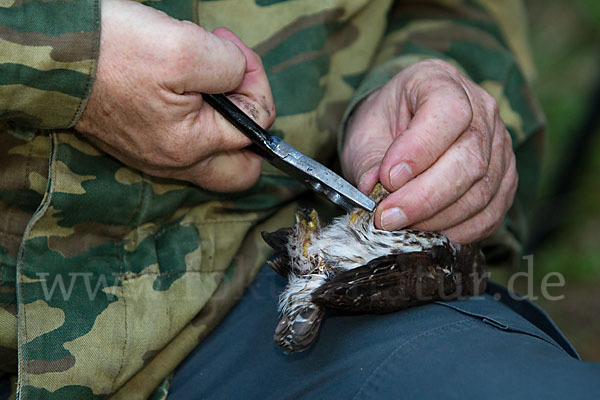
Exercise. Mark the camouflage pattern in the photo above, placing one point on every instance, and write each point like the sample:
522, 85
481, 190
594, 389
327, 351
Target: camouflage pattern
49, 52
110, 277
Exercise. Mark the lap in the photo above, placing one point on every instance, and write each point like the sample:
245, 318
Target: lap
462, 349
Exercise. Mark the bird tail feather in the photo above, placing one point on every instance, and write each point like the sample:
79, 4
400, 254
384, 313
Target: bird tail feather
298, 328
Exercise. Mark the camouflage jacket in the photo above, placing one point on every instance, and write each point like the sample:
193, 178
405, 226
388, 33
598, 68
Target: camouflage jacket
110, 277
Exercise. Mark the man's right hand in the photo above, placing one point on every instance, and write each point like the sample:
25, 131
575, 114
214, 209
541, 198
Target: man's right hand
145, 107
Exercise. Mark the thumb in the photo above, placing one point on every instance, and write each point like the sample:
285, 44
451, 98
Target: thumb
368, 175
211, 63
254, 86
361, 161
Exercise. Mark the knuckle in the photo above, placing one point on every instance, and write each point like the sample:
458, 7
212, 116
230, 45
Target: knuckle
510, 179
427, 203
423, 148
488, 224
512, 169
514, 184
515, 177
240, 61
190, 26
219, 141
436, 63
487, 231
491, 104
189, 32
481, 196
498, 209
509, 142
235, 59
228, 63
195, 49
183, 40
495, 217
455, 99
475, 165
433, 73
464, 111
480, 134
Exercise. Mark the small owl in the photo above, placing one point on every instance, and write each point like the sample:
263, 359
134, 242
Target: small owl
352, 266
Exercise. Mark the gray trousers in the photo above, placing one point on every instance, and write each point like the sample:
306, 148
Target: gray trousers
467, 349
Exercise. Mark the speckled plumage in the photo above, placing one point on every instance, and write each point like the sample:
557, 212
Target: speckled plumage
351, 265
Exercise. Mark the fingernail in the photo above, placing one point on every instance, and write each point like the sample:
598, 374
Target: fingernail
393, 218
399, 175
365, 180
362, 181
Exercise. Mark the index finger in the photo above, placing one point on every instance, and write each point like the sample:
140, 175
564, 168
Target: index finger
465, 163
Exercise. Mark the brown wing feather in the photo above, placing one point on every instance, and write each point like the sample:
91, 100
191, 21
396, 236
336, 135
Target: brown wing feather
299, 329
280, 264
396, 282
278, 240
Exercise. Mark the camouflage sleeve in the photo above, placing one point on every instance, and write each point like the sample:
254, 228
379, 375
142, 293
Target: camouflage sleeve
48, 54
487, 41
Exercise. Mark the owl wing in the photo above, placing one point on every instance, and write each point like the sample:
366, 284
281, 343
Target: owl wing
395, 282
278, 241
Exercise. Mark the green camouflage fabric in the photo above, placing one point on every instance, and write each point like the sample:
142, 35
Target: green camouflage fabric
110, 277
48, 59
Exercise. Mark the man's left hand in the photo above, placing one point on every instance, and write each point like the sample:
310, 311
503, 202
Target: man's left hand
435, 140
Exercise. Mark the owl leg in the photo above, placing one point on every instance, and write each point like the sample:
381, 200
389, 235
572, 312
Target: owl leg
301, 318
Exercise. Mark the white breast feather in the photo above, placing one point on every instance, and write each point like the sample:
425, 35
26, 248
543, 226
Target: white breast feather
348, 242
345, 245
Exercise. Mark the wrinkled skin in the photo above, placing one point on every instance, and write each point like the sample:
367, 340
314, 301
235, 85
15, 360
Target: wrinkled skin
431, 136
435, 140
145, 107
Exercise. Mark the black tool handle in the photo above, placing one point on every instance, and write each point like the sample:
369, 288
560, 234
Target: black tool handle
261, 138
289, 160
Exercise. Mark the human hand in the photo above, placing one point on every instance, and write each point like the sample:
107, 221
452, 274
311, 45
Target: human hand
435, 140
145, 107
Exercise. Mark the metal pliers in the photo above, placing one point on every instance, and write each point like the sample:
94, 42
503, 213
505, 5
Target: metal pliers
289, 160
